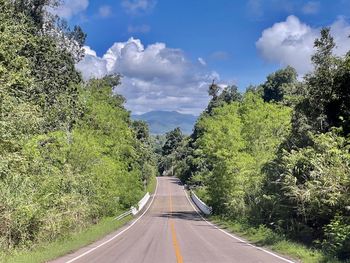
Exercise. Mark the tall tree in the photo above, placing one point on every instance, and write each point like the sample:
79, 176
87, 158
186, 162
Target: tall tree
278, 84
173, 140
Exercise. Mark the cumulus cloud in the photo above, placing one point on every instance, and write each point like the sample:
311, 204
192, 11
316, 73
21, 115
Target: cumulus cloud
138, 6
92, 66
89, 52
154, 77
340, 30
291, 42
69, 8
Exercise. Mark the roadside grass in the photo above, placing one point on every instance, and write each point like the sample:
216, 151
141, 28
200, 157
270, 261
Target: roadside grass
151, 187
63, 246
60, 247
265, 237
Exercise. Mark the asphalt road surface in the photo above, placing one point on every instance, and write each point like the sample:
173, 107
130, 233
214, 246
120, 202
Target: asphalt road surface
170, 230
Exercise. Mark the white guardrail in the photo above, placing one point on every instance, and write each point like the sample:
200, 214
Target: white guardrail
200, 204
140, 204
134, 210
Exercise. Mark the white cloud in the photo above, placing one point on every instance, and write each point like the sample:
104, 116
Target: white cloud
288, 43
69, 8
105, 11
154, 77
311, 7
138, 6
340, 30
202, 61
291, 42
92, 66
89, 51
139, 29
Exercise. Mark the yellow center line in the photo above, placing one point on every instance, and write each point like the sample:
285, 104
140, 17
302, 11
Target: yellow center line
173, 232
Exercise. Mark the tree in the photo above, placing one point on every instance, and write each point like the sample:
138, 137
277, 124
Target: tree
36, 9
218, 148
305, 184
141, 130
68, 155
326, 101
173, 140
339, 109
306, 188
228, 95
278, 84
321, 82
213, 90
278, 155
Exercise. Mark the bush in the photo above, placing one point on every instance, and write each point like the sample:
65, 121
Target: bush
337, 237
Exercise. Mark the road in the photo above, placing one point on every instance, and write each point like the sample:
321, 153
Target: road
171, 231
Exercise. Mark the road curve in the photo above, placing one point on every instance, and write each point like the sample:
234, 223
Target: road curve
171, 231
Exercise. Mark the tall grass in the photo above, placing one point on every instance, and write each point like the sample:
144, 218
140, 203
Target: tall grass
69, 243
65, 245
263, 236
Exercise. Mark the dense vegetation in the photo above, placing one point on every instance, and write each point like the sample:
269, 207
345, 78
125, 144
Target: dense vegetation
279, 154
69, 153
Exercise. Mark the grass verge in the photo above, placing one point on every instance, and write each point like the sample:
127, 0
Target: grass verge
44, 252
63, 246
151, 187
263, 236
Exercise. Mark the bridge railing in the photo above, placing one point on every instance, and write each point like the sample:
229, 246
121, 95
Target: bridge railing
200, 204
135, 210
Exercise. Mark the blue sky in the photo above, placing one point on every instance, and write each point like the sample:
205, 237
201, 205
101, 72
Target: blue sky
235, 42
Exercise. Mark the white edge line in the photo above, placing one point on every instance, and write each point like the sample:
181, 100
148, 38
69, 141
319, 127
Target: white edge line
117, 235
234, 237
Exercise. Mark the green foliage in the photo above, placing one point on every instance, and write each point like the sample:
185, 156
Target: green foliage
77, 178
228, 94
306, 188
173, 140
279, 155
141, 129
170, 151
326, 103
213, 90
306, 191
237, 139
219, 146
35, 9
264, 236
337, 237
60, 247
279, 84
68, 153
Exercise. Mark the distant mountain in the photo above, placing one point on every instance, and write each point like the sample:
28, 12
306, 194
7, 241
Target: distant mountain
161, 122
